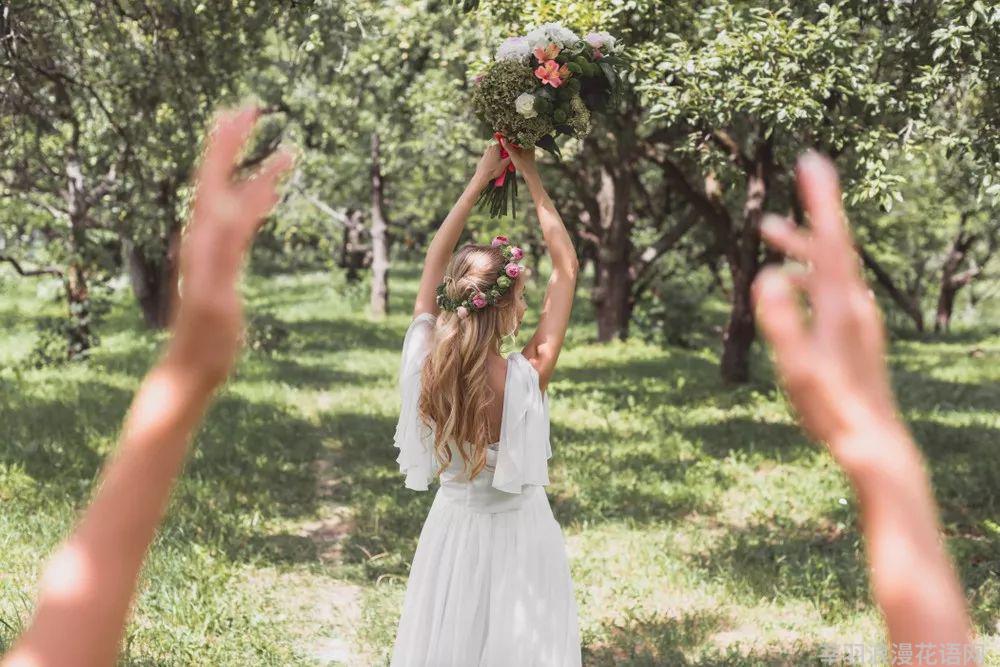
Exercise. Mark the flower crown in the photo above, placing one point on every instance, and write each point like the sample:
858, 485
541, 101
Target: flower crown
479, 300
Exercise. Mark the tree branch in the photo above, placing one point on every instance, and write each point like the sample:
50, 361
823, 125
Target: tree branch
41, 271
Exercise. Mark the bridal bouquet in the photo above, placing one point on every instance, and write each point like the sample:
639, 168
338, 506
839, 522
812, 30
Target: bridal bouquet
542, 85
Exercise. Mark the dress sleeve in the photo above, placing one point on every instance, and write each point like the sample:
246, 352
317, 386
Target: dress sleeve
414, 439
522, 459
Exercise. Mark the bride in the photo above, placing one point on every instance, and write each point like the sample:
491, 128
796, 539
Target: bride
490, 583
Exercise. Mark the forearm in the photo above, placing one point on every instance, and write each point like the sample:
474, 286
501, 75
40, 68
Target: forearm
87, 587
913, 580
554, 231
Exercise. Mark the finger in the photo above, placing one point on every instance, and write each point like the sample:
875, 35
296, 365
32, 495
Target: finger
781, 321
260, 193
819, 191
798, 275
782, 234
503, 165
229, 134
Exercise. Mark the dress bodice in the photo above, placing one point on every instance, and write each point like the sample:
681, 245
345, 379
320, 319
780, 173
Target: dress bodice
479, 494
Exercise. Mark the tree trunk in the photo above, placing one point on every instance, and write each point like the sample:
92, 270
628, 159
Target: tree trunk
951, 280
613, 278
744, 262
354, 253
154, 279
79, 337
945, 306
380, 236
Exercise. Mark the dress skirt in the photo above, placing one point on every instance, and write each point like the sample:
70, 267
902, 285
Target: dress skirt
489, 585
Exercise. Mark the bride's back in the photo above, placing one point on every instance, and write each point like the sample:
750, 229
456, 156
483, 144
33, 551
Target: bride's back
463, 378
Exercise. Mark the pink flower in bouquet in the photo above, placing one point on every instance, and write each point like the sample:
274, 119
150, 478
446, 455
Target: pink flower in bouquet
513, 270
516, 253
597, 54
479, 300
462, 312
549, 73
548, 53
499, 241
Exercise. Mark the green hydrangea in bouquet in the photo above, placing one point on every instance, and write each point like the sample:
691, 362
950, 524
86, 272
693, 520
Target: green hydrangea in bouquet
540, 86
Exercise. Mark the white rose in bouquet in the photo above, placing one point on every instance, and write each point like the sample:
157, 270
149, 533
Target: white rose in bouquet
525, 105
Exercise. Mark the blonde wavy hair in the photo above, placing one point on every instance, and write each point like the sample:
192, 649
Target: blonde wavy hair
454, 392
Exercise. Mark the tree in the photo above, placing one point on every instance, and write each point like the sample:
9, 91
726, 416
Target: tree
377, 109
103, 109
750, 86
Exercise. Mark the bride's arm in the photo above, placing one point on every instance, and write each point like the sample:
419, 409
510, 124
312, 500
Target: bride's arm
90, 581
446, 238
543, 348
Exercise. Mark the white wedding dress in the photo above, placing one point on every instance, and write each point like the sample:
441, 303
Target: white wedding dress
490, 584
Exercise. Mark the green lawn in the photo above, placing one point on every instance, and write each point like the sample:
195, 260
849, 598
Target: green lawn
703, 528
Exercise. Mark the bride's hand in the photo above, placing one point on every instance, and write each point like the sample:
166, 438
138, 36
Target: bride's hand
523, 158
491, 165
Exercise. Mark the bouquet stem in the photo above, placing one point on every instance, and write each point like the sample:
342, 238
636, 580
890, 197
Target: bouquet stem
502, 189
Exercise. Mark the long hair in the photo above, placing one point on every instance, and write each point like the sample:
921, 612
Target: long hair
454, 392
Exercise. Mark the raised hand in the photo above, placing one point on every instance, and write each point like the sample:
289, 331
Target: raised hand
491, 164
224, 220
833, 365
523, 158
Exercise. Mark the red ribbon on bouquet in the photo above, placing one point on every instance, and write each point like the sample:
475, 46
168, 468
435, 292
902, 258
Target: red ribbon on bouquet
504, 154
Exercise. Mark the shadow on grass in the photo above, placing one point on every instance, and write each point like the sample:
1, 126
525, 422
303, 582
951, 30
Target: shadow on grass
251, 462
61, 441
920, 391
822, 562
597, 479
288, 371
387, 516
337, 335
658, 640
778, 442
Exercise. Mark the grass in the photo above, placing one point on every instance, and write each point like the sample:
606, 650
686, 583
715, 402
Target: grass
703, 529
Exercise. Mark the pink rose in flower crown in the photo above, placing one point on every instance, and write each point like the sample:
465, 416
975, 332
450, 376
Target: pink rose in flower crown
499, 241
516, 253
513, 270
479, 300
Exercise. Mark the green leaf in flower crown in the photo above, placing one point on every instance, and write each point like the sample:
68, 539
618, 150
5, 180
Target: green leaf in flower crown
548, 143
559, 115
575, 68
